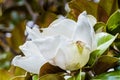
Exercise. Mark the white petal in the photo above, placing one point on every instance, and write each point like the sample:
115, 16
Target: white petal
31, 24
84, 31
92, 20
31, 64
69, 58
60, 18
63, 27
33, 59
30, 49
48, 46
32, 33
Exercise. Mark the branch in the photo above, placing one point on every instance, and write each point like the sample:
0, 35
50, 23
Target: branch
33, 14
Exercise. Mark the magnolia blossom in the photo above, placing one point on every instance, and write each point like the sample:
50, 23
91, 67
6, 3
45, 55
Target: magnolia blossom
65, 43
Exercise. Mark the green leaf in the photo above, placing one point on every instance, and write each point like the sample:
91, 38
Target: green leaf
35, 77
113, 23
106, 8
49, 69
117, 45
118, 66
5, 75
78, 6
104, 63
109, 5
93, 57
79, 76
104, 40
101, 10
52, 77
76, 77
100, 27
113, 75
18, 74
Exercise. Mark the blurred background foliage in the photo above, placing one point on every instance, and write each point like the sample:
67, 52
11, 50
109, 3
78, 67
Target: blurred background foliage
15, 13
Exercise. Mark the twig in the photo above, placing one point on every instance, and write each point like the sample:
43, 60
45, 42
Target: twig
2, 38
33, 14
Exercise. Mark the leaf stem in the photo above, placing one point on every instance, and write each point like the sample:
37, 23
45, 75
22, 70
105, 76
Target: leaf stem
80, 74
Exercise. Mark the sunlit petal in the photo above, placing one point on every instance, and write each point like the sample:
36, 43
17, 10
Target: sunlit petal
33, 59
84, 31
32, 33
69, 57
63, 27
48, 46
31, 64
30, 49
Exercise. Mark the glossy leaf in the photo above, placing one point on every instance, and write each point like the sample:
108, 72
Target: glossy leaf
35, 77
117, 46
106, 8
45, 19
49, 69
101, 10
118, 66
113, 75
113, 23
79, 76
104, 63
76, 77
4, 75
52, 77
78, 6
104, 40
100, 27
18, 74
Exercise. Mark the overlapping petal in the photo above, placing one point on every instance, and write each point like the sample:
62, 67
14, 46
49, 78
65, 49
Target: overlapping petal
58, 45
32, 55
84, 31
69, 57
63, 27
32, 33
48, 46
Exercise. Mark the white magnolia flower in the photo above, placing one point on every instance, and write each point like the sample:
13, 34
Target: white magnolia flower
65, 43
